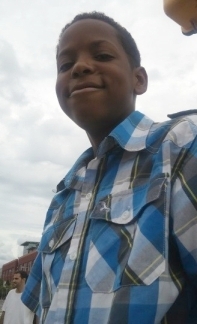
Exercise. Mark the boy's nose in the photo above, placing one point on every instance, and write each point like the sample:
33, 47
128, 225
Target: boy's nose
81, 68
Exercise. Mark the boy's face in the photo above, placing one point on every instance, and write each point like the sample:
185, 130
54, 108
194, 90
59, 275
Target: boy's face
95, 82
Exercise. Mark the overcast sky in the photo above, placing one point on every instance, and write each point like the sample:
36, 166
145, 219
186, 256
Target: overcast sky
38, 143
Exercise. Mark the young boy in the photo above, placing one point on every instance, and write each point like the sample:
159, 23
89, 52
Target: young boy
119, 242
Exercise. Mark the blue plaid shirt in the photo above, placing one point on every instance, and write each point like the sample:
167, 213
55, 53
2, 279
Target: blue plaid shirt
120, 237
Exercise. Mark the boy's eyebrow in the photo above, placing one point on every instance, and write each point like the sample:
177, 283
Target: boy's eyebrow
93, 45
99, 42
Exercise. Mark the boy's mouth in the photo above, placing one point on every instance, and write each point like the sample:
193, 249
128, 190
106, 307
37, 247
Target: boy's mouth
84, 87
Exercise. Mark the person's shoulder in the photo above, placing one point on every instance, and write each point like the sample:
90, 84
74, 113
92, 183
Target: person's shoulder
11, 292
184, 120
8, 297
183, 114
180, 129
183, 127
81, 161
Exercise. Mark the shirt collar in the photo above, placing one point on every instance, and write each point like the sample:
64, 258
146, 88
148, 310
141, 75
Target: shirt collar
81, 162
131, 135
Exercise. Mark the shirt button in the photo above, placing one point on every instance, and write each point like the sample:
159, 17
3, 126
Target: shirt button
125, 215
88, 196
51, 243
73, 256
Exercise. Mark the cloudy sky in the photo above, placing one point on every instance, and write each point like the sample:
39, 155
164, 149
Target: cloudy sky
38, 143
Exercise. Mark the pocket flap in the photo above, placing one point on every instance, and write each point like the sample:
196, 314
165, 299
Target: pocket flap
56, 235
123, 207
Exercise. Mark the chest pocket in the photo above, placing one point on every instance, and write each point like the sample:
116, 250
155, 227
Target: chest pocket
128, 238
54, 247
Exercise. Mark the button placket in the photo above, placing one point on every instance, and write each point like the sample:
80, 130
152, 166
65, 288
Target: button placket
51, 243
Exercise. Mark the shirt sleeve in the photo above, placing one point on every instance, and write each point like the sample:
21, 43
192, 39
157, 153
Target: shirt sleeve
5, 303
184, 210
31, 293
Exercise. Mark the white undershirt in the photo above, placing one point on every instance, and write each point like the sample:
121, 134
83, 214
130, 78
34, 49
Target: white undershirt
15, 311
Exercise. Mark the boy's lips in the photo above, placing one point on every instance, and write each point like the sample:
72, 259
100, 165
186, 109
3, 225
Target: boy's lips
84, 87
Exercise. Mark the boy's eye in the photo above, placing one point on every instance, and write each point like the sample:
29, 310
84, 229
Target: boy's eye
65, 67
104, 57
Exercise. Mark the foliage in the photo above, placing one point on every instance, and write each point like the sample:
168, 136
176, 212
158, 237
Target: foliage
4, 288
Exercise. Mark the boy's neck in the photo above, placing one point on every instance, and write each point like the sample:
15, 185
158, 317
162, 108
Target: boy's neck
96, 141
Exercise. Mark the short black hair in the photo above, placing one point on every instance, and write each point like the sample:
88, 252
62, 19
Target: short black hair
23, 274
125, 38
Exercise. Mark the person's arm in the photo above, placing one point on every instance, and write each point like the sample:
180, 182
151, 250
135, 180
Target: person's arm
2, 318
184, 13
184, 212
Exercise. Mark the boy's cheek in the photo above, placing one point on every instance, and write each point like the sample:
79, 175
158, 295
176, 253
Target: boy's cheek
59, 94
62, 80
59, 88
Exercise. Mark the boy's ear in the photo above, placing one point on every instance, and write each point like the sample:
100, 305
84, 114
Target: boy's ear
141, 80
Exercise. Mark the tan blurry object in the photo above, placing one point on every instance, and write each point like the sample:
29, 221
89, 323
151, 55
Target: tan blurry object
183, 12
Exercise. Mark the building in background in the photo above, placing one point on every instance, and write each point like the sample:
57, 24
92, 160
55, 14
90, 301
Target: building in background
24, 262
29, 247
